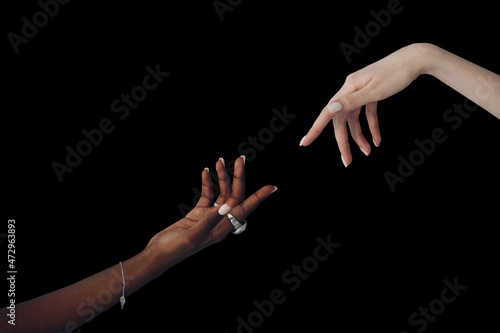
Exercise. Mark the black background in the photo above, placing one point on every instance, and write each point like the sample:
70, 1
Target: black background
225, 79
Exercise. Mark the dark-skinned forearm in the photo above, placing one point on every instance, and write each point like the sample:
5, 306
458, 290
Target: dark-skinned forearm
67, 308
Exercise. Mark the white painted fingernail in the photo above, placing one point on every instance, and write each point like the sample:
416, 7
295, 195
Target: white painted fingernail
334, 107
300, 144
224, 209
206, 169
275, 188
364, 151
244, 158
376, 145
222, 160
343, 161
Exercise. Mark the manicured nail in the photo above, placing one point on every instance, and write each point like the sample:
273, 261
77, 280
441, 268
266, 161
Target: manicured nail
244, 158
224, 209
275, 188
343, 161
222, 160
300, 144
206, 169
376, 145
364, 151
334, 107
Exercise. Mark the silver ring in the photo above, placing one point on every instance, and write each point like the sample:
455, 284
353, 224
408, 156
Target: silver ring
238, 227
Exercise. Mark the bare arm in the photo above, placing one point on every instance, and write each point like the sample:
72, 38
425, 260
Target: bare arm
392, 74
474, 82
66, 309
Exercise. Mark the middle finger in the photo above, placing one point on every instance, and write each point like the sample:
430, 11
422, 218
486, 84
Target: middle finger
224, 182
356, 132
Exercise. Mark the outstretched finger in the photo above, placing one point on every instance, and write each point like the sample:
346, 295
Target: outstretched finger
342, 137
224, 182
238, 189
356, 133
207, 193
371, 116
319, 125
325, 116
241, 211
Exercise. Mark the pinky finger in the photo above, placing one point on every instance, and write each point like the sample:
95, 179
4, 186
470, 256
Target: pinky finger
371, 116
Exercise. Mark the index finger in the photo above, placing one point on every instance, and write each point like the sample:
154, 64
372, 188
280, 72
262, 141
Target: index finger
319, 125
325, 116
244, 209
351, 97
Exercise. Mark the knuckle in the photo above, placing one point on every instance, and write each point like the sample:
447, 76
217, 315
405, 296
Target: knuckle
259, 199
238, 176
207, 196
223, 195
222, 177
351, 77
350, 101
235, 197
244, 208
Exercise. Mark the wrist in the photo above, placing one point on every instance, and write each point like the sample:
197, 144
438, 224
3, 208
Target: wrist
140, 269
153, 262
426, 57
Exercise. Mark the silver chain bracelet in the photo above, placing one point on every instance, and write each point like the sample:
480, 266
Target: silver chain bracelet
122, 298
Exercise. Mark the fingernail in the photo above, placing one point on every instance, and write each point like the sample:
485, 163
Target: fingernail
222, 160
275, 188
244, 158
343, 161
224, 209
206, 169
376, 145
300, 144
364, 151
334, 107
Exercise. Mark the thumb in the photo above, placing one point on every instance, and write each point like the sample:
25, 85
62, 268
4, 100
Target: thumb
349, 102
